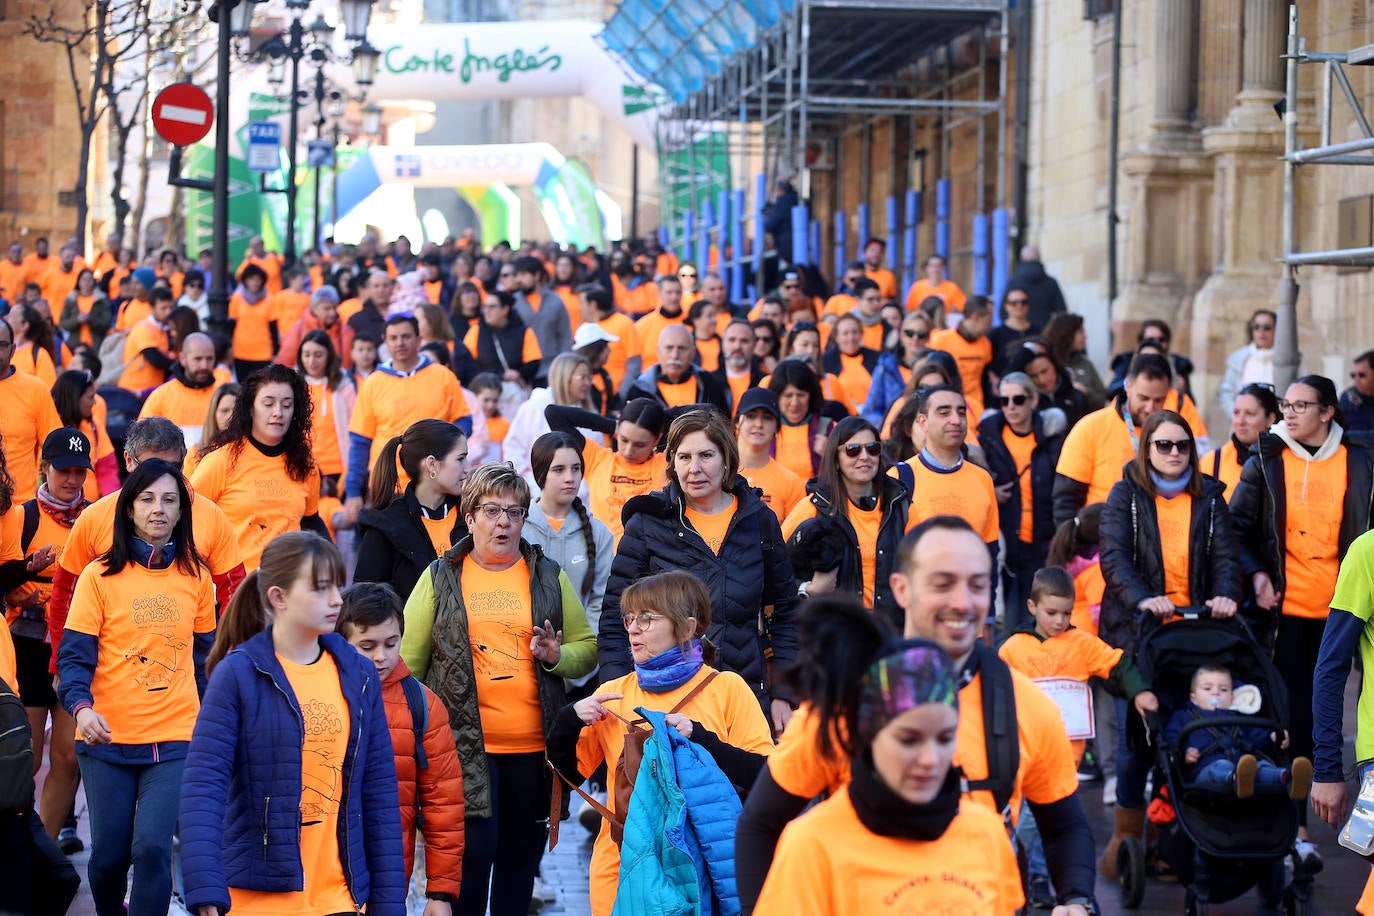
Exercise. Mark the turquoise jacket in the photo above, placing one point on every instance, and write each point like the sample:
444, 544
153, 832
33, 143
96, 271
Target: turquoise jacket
678, 855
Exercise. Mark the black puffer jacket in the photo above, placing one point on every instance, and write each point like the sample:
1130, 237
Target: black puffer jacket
896, 502
1259, 506
393, 545
1048, 430
1133, 565
750, 572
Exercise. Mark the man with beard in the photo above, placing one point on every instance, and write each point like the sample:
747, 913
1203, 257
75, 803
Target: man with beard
185, 397
738, 371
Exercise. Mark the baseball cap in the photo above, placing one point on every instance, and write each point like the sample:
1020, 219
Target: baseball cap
325, 293
67, 448
789, 275
756, 399
587, 334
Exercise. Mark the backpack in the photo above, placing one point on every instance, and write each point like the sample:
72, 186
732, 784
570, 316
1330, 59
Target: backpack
112, 364
32, 621
16, 753
622, 783
1001, 740
419, 716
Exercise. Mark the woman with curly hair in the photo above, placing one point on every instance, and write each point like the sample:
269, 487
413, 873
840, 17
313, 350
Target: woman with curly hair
259, 469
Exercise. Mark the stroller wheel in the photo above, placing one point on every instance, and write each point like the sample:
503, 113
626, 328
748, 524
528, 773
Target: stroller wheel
1294, 905
1130, 872
1193, 906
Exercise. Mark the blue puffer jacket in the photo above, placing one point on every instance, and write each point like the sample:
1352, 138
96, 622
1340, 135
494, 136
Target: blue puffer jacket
887, 386
678, 855
241, 791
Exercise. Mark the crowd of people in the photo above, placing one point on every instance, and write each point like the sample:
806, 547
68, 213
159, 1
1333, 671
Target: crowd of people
423, 541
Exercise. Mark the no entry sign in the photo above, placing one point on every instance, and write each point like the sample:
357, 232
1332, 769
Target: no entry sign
182, 114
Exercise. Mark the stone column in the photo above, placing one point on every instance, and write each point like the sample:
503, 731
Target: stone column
1175, 66
1262, 65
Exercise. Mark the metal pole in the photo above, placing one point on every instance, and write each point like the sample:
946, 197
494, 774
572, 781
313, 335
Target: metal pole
319, 135
296, 50
634, 191
1286, 330
334, 185
1113, 153
219, 291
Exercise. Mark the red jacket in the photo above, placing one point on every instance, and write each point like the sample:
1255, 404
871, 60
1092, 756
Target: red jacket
341, 334
438, 792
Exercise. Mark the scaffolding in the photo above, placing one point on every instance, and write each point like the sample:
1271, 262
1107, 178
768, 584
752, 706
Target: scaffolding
1333, 66
757, 91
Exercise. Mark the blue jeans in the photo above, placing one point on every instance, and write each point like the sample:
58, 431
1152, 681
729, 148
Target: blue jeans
1028, 836
133, 809
1132, 767
1220, 774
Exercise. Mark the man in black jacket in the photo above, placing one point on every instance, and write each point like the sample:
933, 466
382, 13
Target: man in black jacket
738, 371
1046, 299
675, 382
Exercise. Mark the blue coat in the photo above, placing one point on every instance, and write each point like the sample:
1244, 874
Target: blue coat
678, 855
1215, 742
887, 386
241, 791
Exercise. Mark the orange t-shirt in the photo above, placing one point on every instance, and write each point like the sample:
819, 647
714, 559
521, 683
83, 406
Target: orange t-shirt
1315, 499
1088, 587
1022, 448
794, 449
1227, 464
186, 407
708, 353
855, 378
26, 418
138, 373
328, 723
947, 292
57, 283
865, 524
680, 394
9, 664
94, 530
1047, 773
840, 304
252, 333
612, 482
886, 280
1072, 654
270, 264
1175, 522
39, 589
145, 621
500, 628
529, 347
257, 495
973, 357
131, 313
387, 403
725, 707
628, 345
324, 436
1095, 451
497, 427
440, 531
827, 861
84, 304
781, 489
738, 384
36, 361
712, 528
12, 278
288, 306
966, 492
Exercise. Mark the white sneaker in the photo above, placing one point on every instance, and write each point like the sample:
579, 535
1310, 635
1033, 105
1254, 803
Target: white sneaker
1308, 856
1109, 792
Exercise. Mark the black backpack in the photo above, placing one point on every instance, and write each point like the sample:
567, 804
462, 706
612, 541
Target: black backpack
16, 753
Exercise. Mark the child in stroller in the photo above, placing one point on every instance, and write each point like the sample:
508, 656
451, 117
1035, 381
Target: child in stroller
1231, 757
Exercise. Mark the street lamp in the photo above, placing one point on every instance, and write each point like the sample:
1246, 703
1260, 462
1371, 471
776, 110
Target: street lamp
356, 14
372, 119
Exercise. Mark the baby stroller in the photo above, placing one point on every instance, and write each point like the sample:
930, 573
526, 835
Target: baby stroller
1219, 846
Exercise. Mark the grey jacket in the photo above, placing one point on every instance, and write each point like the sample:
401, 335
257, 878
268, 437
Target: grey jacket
568, 548
550, 324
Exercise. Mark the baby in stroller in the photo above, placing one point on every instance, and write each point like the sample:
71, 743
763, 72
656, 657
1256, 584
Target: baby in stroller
1228, 757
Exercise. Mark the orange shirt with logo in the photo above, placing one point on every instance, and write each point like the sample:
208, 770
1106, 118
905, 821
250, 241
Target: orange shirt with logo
27, 415
257, 495
612, 482
1314, 507
500, 628
712, 528
328, 723
781, 490
967, 492
1073, 654
145, 622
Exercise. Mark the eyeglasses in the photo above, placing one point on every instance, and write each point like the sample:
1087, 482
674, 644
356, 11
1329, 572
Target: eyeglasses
688, 275
919, 335
1295, 406
645, 621
1017, 399
1173, 446
853, 449
492, 512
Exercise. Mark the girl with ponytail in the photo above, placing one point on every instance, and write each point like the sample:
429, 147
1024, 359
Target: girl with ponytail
400, 533
560, 524
291, 710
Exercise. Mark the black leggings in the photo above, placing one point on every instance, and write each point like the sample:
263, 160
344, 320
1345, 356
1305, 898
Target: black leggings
1295, 656
502, 852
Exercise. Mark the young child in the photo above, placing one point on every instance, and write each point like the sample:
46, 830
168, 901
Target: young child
427, 770
1054, 648
487, 388
1225, 756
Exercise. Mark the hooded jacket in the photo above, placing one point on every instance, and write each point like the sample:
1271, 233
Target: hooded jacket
709, 391
568, 548
750, 574
1046, 298
1259, 503
551, 326
1048, 429
1133, 562
393, 545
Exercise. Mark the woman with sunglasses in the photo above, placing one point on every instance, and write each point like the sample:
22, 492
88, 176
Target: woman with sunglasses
666, 617
1022, 445
493, 628
1167, 543
857, 507
1305, 494
1255, 410
766, 343
1015, 327
687, 275
893, 371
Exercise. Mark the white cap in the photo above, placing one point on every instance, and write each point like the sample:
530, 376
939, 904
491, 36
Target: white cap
589, 333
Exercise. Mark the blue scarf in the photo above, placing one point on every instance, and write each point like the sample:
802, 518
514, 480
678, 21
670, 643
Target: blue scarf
1170, 488
670, 670
145, 554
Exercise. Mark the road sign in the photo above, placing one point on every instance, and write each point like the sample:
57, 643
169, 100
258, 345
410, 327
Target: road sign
319, 154
264, 146
182, 114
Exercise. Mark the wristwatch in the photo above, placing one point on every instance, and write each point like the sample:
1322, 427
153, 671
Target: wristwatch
804, 590
1088, 903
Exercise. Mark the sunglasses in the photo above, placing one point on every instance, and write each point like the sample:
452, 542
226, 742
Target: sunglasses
1017, 399
1261, 327
687, 275
919, 335
854, 449
1173, 446
1018, 302
764, 338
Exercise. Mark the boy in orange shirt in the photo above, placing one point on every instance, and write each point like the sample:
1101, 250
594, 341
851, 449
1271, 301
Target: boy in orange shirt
428, 775
1054, 650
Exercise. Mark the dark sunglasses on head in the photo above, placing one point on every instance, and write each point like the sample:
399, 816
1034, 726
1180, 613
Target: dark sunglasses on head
1173, 446
1017, 399
919, 335
853, 449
